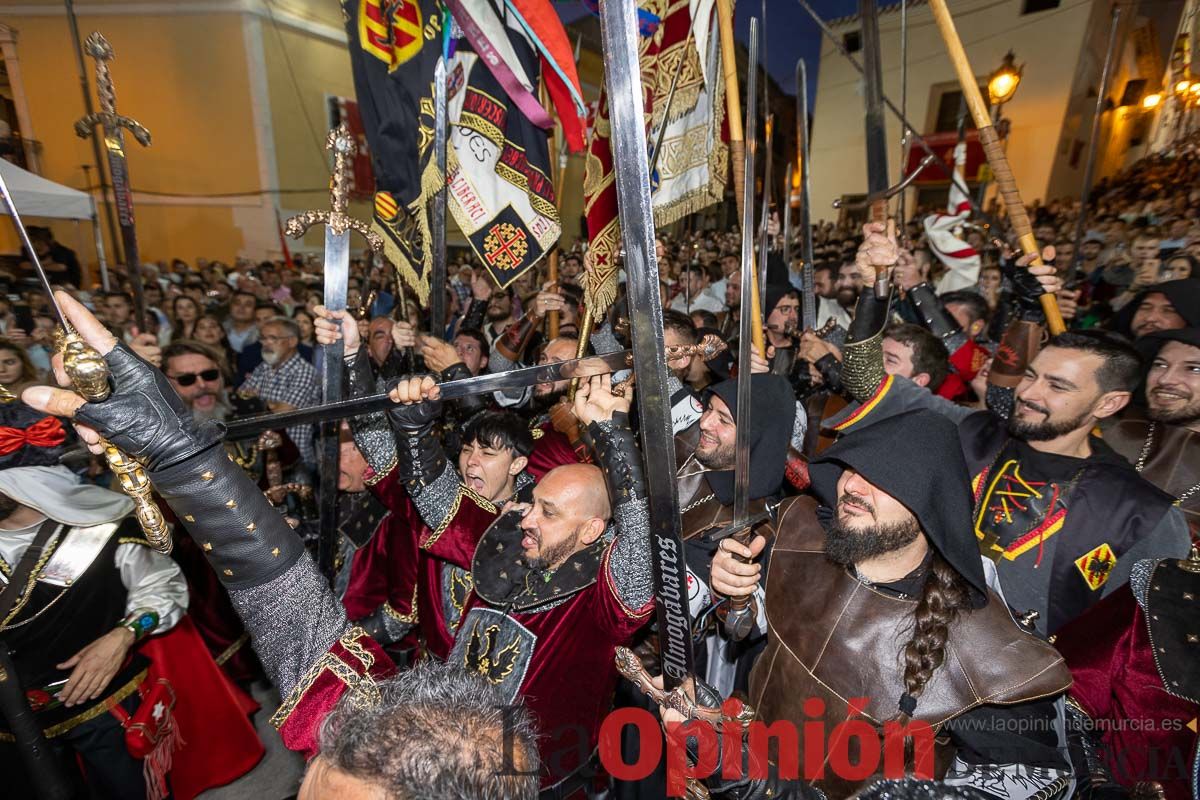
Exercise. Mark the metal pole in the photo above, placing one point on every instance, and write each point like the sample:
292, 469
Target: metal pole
1094, 144
89, 109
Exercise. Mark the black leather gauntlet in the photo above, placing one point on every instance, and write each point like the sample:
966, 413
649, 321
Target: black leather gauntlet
935, 317
144, 417
419, 453
1027, 291
619, 458
243, 536
862, 353
466, 405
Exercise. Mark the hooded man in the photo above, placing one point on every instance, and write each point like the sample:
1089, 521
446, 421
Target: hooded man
1164, 306
1163, 441
1063, 517
97, 591
876, 598
706, 454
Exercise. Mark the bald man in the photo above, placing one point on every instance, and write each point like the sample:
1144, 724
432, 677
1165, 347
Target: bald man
558, 582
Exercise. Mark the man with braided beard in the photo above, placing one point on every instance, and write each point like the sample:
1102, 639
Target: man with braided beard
878, 609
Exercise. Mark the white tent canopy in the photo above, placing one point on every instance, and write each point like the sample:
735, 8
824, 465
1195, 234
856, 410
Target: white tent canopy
37, 197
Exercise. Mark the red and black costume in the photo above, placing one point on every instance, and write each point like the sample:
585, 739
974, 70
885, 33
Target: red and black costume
520, 627
1062, 531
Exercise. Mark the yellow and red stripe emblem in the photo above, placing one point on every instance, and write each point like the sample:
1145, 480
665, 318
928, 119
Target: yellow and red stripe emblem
868, 405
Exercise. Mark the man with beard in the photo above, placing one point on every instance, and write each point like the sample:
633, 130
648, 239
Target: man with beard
499, 314
1063, 517
825, 285
1162, 307
285, 381
879, 551
576, 558
96, 592
706, 454
1163, 442
325, 669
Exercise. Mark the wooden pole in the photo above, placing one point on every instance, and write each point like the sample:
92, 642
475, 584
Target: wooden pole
742, 190
1006, 184
556, 176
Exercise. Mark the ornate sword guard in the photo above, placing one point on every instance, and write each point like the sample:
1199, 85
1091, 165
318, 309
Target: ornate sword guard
89, 374
630, 666
341, 144
107, 117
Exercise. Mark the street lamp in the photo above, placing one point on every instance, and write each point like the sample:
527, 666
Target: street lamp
1003, 83
1182, 87
1151, 100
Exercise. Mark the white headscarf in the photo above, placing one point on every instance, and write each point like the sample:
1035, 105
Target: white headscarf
59, 494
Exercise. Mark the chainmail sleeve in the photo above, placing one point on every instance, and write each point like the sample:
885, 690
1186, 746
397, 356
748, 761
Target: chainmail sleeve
604, 340
372, 432
619, 458
292, 620
862, 353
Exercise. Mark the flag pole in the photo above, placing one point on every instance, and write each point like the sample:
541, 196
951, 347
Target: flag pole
556, 178
737, 149
1006, 184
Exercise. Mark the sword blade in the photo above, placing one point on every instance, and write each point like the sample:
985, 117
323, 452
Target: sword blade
764, 219
450, 390
876, 130
618, 30
11, 208
437, 280
806, 240
787, 218
741, 481
118, 170
337, 277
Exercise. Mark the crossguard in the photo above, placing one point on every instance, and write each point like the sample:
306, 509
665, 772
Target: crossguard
341, 144
98, 47
112, 122
336, 221
630, 666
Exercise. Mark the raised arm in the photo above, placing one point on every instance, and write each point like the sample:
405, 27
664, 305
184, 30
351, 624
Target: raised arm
282, 598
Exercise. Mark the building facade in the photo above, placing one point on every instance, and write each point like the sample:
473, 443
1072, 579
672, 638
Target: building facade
1061, 45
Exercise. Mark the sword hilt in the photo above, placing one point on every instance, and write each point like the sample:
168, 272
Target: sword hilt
89, 374
341, 144
98, 47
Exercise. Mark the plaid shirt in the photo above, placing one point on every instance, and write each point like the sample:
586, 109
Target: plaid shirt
294, 382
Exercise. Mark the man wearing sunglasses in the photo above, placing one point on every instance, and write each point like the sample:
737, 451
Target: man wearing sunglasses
196, 375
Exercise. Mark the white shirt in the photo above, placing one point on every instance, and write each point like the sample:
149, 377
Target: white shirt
151, 579
702, 301
827, 308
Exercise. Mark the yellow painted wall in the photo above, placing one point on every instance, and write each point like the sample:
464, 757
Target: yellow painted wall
181, 75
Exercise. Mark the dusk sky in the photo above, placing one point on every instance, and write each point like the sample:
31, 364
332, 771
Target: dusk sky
791, 33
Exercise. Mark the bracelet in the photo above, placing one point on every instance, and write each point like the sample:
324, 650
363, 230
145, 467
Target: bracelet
140, 622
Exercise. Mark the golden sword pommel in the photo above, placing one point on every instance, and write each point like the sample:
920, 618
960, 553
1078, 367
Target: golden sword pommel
89, 374
341, 144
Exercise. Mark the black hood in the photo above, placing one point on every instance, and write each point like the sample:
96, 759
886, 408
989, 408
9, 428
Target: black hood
916, 458
772, 415
1184, 294
1151, 343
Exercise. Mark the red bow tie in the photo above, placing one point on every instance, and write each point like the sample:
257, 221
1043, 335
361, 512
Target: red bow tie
46, 432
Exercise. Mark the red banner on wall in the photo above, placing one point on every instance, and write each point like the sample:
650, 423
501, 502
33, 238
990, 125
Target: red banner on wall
943, 145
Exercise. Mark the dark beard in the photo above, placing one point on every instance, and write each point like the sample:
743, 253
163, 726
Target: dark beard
542, 403
846, 546
1184, 416
1043, 431
553, 556
722, 458
7, 507
496, 314
846, 298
